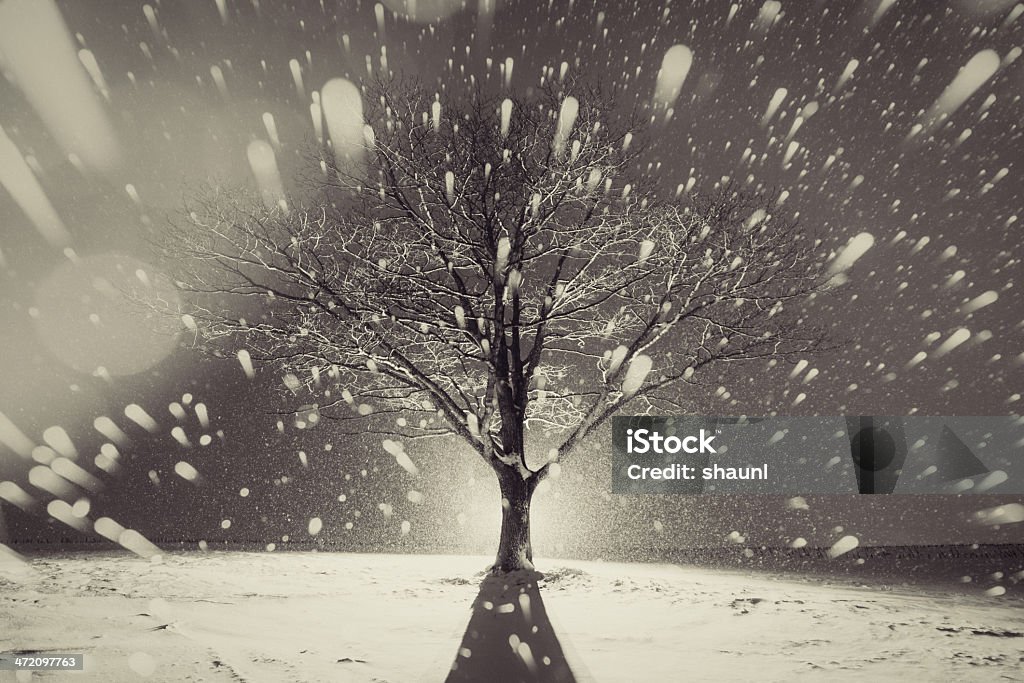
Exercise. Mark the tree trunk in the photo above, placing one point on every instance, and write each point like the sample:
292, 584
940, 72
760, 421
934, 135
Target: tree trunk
514, 549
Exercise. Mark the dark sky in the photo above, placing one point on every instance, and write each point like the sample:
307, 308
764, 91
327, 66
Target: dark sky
179, 89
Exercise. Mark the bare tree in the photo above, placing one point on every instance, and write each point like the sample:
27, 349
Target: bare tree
482, 266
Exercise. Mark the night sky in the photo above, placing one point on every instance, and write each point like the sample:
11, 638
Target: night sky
898, 119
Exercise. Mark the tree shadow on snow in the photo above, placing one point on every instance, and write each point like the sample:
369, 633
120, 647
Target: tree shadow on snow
509, 638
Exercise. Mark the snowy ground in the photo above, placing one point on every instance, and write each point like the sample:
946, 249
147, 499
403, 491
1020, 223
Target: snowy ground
231, 616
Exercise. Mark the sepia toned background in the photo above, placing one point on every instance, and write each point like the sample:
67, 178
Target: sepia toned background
896, 119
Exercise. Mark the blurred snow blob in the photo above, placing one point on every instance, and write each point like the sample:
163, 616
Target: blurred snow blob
424, 11
143, 664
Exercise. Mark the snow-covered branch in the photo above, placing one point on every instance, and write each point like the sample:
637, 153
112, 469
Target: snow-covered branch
500, 262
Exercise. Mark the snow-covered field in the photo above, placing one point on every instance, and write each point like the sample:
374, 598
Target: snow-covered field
229, 616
